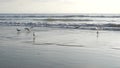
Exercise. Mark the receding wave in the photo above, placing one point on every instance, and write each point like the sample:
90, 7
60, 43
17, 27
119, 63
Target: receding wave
62, 19
108, 26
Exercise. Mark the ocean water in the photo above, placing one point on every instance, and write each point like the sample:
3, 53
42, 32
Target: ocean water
61, 18
58, 47
74, 21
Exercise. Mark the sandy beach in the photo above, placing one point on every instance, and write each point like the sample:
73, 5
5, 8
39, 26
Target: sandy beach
58, 48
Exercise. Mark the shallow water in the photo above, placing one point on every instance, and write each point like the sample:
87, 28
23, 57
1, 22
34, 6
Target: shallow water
59, 48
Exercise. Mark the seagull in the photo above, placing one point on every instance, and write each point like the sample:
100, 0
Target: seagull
27, 29
33, 37
18, 30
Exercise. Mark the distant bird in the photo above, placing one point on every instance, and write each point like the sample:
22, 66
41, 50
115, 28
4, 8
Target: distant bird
27, 29
96, 28
97, 32
18, 30
33, 37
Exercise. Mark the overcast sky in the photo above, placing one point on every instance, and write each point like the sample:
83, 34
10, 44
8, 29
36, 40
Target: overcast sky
59, 6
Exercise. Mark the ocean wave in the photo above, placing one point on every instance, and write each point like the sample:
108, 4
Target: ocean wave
93, 26
72, 21
58, 15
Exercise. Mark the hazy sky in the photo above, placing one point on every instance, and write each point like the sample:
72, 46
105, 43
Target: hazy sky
59, 6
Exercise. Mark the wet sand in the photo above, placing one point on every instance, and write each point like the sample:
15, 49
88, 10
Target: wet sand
58, 48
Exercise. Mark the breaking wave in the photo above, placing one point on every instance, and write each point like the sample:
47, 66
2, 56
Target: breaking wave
73, 21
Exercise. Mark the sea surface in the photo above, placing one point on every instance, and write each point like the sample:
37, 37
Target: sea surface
61, 18
59, 47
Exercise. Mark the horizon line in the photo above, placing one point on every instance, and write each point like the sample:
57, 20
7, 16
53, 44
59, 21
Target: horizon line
56, 13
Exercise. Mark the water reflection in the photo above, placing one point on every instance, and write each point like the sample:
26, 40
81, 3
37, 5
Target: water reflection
18, 33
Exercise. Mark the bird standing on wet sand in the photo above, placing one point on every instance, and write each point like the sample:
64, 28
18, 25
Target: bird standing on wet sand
18, 30
33, 37
97, 32
27, 29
